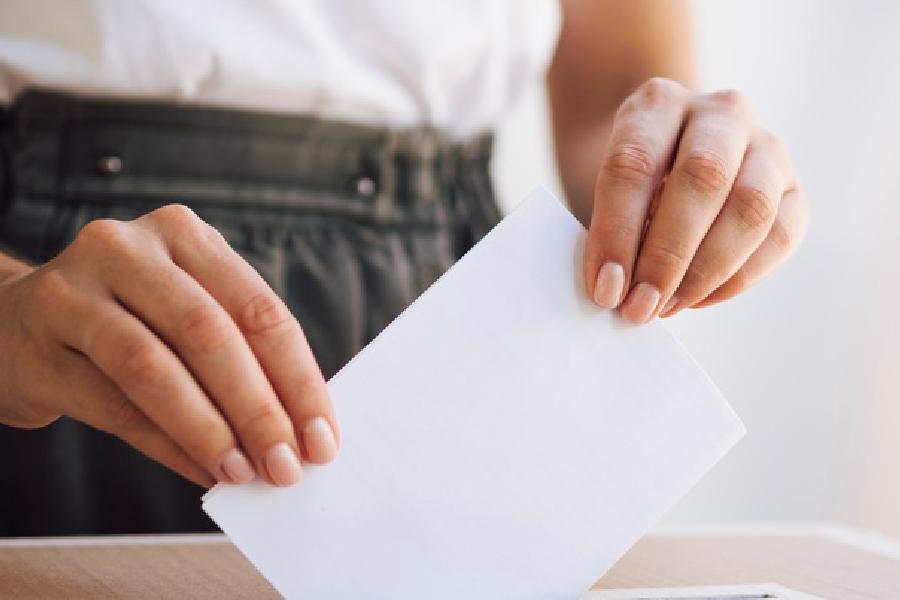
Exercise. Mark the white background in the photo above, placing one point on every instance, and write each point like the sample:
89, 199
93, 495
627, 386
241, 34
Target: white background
810, 358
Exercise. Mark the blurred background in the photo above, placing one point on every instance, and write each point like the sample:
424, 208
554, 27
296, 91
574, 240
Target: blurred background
810, 358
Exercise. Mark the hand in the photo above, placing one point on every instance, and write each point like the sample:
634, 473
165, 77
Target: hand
156, 331
693, 203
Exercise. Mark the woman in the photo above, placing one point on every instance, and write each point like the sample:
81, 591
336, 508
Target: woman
334, 159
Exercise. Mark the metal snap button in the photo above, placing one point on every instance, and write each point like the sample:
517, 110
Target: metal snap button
365, 186
110, 165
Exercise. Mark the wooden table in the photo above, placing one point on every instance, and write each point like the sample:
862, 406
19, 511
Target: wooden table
823, 560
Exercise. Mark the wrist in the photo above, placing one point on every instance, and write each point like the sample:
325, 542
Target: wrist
17, 408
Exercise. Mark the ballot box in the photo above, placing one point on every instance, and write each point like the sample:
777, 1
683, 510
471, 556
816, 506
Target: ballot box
825, 561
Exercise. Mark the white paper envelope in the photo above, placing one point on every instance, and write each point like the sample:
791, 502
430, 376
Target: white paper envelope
503, 438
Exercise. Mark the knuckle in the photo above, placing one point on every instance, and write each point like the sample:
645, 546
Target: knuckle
125, 416
263, 418
630, 107
183, 221
782, 236
308, 388
698, 281
666, 256
617, 230
264, 314
180, 461
49, 285
731, 100
175, 214
207, 328
657, 90
189, 227
753, 206
210, 439
705, 171
738, 282
630, 162
104, 235
139, 361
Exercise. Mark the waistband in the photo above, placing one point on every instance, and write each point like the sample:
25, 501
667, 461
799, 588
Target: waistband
59, 147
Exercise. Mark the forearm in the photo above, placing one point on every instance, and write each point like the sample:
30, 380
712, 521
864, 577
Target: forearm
606, 50
578, 155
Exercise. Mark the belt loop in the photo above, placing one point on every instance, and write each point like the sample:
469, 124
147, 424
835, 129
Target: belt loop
384, 200
431, 154
425, 150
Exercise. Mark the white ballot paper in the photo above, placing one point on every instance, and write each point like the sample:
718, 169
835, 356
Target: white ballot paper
502, 438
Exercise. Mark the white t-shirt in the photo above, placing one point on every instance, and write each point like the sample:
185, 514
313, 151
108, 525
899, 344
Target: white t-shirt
454, 64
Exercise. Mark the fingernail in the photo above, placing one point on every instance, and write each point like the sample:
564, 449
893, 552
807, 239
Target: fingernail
236, 467
319, 440
608, 288
640, 304
283, 465
668, 307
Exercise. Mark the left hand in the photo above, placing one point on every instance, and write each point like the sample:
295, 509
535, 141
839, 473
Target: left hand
694, 202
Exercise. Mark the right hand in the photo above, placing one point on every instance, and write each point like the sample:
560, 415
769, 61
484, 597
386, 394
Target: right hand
156, 331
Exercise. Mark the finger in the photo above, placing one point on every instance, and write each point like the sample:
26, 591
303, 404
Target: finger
739, 229
640, 150
143, 368
783, 238
209, 343
94, 400
158, 384
708, 158
273, 334
81, 392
